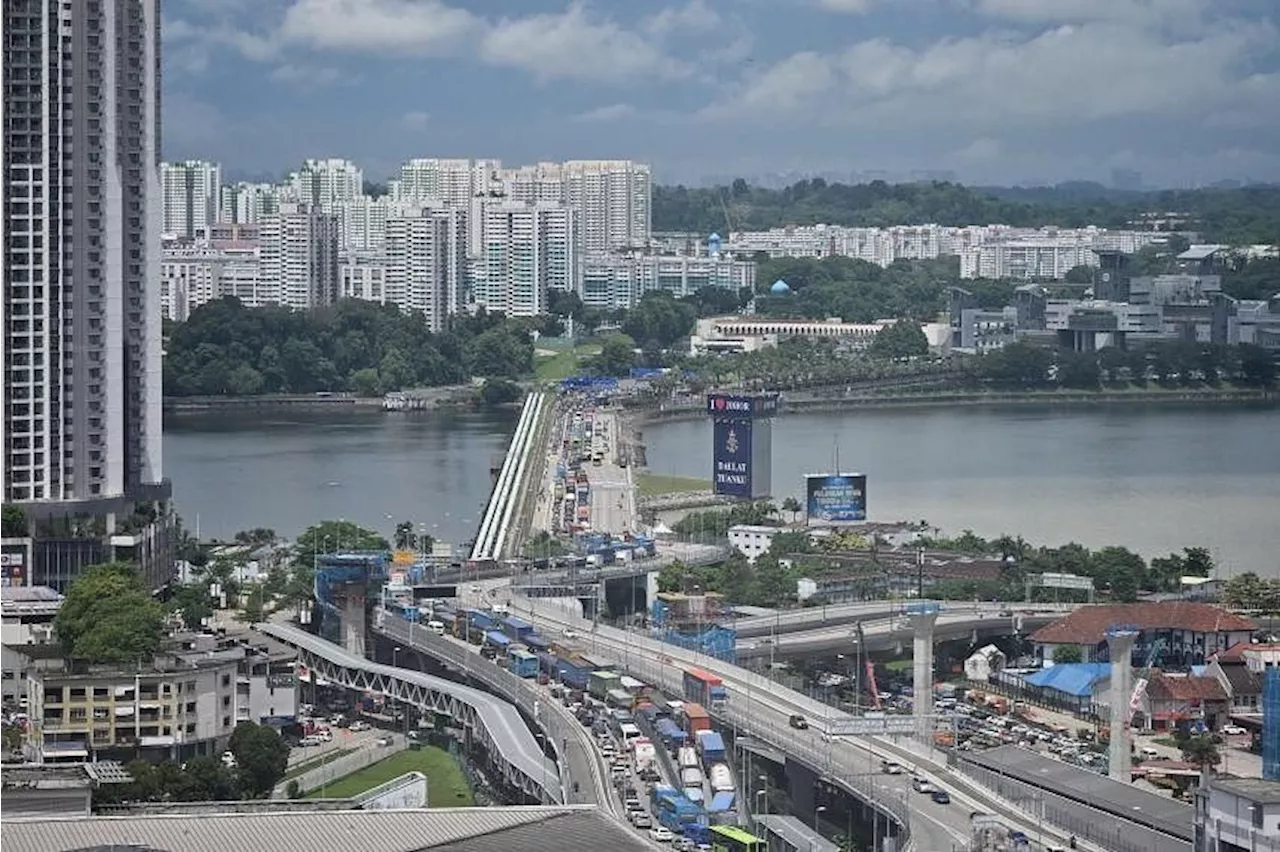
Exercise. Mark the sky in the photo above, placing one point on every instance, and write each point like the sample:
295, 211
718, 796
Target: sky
997, 91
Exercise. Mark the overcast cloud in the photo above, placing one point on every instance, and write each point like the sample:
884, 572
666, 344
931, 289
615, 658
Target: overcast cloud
1184, 91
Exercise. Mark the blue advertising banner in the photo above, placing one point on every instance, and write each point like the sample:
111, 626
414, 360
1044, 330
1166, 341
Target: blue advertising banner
731, 457
838, 498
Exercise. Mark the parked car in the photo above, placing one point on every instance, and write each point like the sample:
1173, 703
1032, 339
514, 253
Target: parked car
799, 722
1234, 730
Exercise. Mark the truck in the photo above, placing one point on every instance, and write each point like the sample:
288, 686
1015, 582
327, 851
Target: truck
523, 664
516, 628
687, 757
696, 718
672, 735
600, 682
691, 777
721, 778
705, 688
711, 745
643, 753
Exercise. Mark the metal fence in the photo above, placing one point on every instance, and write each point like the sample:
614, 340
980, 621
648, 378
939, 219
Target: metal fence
321, 776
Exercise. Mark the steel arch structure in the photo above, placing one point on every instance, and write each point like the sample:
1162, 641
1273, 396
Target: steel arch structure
492, 723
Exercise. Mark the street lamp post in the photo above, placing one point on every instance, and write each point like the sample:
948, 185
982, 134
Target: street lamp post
817, 813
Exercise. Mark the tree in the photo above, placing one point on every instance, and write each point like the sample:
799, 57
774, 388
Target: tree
792, 506
109, 616
262, 758
1079, 275
498, 392
205, 779
192, 601
1250, 592
333, 536
617, 355
1201, 751
1067, 654
902, 339
13, 522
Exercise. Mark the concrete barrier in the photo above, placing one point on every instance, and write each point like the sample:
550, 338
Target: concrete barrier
315, 779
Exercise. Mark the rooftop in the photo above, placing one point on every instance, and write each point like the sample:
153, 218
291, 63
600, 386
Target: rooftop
1254, 789
1088, 625
1185, 687
530, 829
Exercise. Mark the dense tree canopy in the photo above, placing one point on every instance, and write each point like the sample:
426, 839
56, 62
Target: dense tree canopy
109, 616
261, 758
855, 290
903, 339
356, 346
1234, 216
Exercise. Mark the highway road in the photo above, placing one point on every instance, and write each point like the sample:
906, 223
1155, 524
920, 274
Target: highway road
883, 630
765, 713
815, 618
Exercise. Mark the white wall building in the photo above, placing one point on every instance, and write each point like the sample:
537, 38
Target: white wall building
613, 198
192, 274
613, 281
325, 183
299, 257
81, 269
529, 249
1238, 815
426, 263
451, 182
248, 203
751, 539
191, 196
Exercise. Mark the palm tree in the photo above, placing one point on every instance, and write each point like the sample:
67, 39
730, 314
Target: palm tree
791, 505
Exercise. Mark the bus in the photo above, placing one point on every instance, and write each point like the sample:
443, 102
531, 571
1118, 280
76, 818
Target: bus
730, 838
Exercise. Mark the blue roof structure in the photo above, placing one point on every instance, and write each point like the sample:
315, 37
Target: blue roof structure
1071, 678
780, 287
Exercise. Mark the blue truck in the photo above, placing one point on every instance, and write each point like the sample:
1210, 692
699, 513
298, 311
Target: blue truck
522, 664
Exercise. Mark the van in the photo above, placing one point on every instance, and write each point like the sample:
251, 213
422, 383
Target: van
1148, 752
436, 627
921, 784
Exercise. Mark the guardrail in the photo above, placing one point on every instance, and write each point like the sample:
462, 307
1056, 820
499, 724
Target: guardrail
561, 730
327, 773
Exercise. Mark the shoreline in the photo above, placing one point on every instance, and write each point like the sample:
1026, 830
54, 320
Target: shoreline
1165, 398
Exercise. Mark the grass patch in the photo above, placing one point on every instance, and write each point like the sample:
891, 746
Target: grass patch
657, 484
315, 763
446, 786
562, 365
898, 665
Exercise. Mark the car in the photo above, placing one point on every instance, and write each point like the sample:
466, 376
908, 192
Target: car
476, 590
1148, 751
642, 820
661, 834
921, 784
570, 633
889, 767
1234, 730
799, 722
358, 726
683, 844
942, 797
635, 813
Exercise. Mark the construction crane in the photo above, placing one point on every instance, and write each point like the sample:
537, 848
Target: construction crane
1143, 678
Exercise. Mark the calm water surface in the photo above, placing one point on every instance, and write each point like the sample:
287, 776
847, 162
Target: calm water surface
1155, 480
287, 471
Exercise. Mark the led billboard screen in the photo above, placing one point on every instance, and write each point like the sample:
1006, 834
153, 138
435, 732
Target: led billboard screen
732, 458
835, 498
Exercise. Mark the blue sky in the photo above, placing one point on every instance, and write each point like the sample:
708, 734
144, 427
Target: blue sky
1000, 91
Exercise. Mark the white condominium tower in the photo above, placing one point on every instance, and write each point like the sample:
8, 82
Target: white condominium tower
612, 197
528, 250
326, 182
247, 203
82, 214
191, 191
299, 256
426, 262
450, 182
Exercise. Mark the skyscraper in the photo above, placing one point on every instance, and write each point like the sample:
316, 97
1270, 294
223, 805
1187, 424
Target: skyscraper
299, 264
82, 216
191, 191
529, 249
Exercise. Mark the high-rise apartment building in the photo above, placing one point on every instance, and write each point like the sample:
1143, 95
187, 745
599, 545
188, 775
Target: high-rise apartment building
450, 182
299, 256
613, 198
529, 249
247, 203
426, 262
191, 196
83, 211
324, 183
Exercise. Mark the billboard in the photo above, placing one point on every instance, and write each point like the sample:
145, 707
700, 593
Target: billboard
731, 457
742, 405
835, 498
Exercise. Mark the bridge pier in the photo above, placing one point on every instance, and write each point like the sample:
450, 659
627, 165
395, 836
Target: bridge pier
1120, 647
353, 617
922, 623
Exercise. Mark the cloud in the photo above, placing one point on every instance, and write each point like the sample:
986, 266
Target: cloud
693, 17
305, 76
612, 112
847, 7
412, 27
1065, 75
576, 45
984, 148
416, 119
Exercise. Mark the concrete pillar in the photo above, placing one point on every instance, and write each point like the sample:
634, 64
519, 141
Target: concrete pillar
353, 618
1120, 646
922, 621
